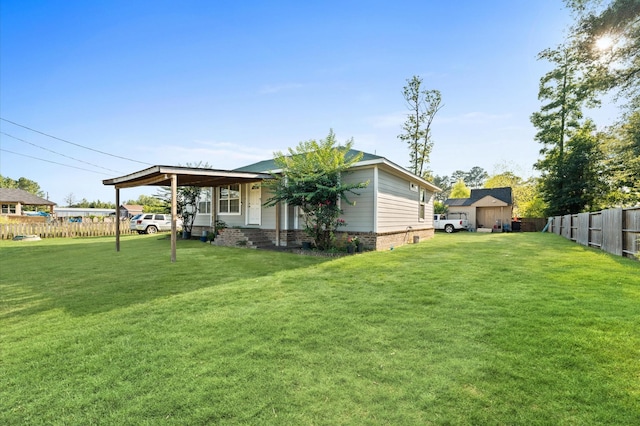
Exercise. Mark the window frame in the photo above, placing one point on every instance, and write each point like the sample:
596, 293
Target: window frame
422, 204
9, 208
204, 202
228, 200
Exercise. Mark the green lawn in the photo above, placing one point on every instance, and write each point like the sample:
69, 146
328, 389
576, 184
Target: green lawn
463, 329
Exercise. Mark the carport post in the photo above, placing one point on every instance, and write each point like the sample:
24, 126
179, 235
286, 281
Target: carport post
174, 213
117, 219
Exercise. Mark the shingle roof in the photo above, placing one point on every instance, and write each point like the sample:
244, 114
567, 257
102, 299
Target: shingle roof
13, 195
502, 194
270, 165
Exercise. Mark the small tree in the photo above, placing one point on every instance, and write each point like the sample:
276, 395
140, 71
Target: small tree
423, 106
311, 179
187, 198
460, 190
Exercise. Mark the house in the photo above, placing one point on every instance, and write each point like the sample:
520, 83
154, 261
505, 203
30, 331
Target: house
490, 208
12, 201
396, 208
130, 210
77, 212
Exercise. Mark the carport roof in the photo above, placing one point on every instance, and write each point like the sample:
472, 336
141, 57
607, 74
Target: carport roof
187, 176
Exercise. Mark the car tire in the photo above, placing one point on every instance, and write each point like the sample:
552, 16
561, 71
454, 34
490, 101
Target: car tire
448, 229
151, 229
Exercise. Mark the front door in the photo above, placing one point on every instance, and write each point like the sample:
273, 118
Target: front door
255, 204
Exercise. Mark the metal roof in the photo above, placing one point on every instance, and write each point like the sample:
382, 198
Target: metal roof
502, 194
270, 165
187, 176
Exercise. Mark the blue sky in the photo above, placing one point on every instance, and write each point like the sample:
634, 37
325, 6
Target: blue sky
229, 83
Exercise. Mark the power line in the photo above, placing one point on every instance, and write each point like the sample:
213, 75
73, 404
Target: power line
75, 144
63, 155
49, 161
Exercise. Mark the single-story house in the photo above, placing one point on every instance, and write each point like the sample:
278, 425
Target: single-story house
64, 212
130, 210
394, 209
490, 208
13, 200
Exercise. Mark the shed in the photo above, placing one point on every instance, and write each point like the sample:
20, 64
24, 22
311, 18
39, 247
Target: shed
486, 208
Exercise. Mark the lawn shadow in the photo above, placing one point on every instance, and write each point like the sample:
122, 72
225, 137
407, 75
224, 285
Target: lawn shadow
88, 276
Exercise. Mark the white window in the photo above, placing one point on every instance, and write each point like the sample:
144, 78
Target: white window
8, 209
229, 199
204, 205
422, 205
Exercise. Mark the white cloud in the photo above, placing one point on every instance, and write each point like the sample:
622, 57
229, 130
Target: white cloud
270, 88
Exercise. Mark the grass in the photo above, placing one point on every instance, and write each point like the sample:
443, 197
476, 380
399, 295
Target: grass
462, 329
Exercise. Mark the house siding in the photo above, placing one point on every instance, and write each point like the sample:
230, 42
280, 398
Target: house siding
393, 222
398, 205
360, 217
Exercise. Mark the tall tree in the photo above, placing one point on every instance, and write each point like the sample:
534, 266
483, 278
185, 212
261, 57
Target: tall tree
622, 161
311, 179
445, 184
606, 37
423, 106
576, 184
527, 200
22, 183
476, 177
565, 92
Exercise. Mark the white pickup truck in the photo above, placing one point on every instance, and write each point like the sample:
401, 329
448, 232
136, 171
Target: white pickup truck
440, 221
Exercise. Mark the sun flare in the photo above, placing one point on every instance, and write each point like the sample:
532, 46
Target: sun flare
604, 42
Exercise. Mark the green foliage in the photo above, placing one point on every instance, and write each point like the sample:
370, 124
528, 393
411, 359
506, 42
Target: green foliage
527, 199
187, 198
614, 68
84, 203
423, 106
149, 203
439, 207
622, 161
460, 190
311, 180
586, 69
565, 94
576, 184
444, 183
474, 178
22, 183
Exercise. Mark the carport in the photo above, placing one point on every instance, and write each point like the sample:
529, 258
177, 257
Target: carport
170, 176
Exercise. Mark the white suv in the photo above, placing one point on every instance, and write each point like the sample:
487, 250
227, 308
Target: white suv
150, 223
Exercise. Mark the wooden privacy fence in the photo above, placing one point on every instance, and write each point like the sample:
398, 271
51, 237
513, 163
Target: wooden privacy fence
63, 229
616, 231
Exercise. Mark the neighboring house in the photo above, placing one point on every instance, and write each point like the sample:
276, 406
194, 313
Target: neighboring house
12, 201
485, 208
394, 209
130, 210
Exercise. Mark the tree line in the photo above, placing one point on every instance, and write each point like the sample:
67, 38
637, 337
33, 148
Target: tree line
584, 168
